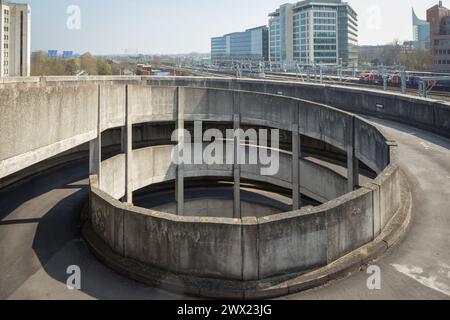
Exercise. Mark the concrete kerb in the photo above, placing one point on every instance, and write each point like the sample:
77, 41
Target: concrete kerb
263, 289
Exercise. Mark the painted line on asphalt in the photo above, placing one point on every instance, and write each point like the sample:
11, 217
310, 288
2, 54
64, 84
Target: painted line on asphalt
433, 281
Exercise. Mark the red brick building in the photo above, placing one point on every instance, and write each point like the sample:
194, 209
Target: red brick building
439, 19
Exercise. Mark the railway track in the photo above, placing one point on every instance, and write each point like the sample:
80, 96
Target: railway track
437, 95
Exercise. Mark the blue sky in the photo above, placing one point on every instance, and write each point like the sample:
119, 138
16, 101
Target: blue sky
181, 26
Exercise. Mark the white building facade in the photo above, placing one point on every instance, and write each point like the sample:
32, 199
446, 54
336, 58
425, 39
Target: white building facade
322, 32
15, 39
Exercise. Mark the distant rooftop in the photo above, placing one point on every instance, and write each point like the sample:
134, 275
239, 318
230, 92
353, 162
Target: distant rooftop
417, 21
304, 3
248, 30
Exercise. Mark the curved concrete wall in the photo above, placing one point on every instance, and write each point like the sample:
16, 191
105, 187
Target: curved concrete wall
428, 114
61, 117
298, 241
269, 111
431, 115
214, 206
245, 249
41, 122
153, 165
63, 113
42, 118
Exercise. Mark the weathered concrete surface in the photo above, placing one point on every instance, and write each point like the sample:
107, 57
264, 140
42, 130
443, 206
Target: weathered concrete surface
40, 238
177, 244
252, 289
419, 267
422, 279
425, 247
70, 114
42, 122
209, 206
148, 104
424, 157
427, 114
295, 244
153, 165
115, 105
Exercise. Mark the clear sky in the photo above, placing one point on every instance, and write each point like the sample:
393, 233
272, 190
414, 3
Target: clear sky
182, 26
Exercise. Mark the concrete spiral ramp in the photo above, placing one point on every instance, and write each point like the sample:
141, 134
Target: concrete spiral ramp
40, 237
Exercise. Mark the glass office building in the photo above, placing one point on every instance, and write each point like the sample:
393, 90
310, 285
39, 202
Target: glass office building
348, 35
281, 33
421, 32
252, 44
314, 32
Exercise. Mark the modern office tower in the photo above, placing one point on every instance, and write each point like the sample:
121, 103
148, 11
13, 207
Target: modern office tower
348, 49
439, 19
15, 45
252, 44
421, 32
281, 32
323, 32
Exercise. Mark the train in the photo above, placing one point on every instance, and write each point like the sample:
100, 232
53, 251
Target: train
412, 80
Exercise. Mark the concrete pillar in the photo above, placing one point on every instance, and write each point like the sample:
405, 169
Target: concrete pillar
237, 167
352, 160
198, 142
237, 157
179, 180
95, 146
95, 156
128, 144
296, 154
403, 74
123, 139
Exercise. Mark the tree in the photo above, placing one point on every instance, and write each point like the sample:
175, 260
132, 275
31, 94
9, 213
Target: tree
72, 66
42, 65
104, 68
89, 64
38, 67
391, 53
417, 59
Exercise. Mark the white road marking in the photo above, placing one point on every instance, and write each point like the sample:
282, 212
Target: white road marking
432, 281
426, 146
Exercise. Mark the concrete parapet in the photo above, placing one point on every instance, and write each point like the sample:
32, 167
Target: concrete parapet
241, 249
428, 114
